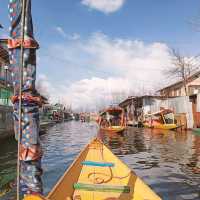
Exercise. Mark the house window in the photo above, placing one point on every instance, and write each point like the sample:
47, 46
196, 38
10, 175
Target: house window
179, 92
175, 92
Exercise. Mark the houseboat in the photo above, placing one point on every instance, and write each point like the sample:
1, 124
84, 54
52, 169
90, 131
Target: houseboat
163, 119
112, 119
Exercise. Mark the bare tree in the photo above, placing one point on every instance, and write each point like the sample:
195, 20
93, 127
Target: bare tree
182, 67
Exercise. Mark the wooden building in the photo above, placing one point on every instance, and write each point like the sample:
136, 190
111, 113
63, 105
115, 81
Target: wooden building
136, 106
6, 91
193, 91
178, 89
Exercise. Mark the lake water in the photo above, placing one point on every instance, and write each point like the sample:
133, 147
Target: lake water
169, 162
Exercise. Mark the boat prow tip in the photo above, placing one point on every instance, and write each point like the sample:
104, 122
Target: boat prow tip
34, 197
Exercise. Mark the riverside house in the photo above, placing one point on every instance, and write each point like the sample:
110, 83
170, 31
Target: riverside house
177, 89
137, 106
6, 91
193, 92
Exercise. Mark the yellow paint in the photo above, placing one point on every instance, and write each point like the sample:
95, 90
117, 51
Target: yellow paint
161, 126
119, 175
113, 128
151, 123
34, 197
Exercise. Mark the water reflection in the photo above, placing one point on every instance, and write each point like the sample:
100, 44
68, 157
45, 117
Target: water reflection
168, 161
8, 156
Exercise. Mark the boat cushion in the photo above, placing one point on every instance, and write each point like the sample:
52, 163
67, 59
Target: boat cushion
98, 164
102, 188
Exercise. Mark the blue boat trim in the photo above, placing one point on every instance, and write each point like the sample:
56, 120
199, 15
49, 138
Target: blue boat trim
98, 164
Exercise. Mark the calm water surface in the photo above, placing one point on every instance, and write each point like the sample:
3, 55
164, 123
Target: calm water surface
168, 161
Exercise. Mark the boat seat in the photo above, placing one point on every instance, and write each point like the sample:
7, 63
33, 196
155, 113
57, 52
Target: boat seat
98, 164
102, 188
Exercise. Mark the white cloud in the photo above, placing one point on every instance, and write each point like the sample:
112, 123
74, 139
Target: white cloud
61, 31
127, 57
43, 85
106, 6
46, 88
96, 93
74, 36
119, 67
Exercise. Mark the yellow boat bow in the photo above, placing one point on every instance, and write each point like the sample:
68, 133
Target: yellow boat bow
97, 174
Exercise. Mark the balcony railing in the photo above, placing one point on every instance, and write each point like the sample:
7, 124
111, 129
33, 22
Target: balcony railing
5, 102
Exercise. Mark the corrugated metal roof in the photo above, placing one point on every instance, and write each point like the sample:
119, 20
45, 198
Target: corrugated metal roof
136, 98
191, 78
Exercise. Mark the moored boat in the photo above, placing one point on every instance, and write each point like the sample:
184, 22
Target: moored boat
112, 119
163, 119
113, 129
98, 174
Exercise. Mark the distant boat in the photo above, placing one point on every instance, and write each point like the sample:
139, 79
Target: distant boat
116, 129
112, 119
46, 118
163, 119
97, 174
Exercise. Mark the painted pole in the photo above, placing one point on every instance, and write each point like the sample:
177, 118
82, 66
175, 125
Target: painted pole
26, 101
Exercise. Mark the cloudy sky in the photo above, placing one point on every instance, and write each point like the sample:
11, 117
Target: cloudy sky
95, 52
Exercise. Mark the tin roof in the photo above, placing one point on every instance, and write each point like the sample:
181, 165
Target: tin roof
191, 78
136, 98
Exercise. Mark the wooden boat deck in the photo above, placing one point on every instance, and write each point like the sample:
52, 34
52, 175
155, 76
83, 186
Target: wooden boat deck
97, 174
106, 176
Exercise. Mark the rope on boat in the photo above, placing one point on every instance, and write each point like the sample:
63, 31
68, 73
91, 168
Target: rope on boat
102, 177
20, 95
99, 180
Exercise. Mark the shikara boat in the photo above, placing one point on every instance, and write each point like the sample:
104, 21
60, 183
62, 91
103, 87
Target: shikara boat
115, 129
164, 119
97, 174
112, 119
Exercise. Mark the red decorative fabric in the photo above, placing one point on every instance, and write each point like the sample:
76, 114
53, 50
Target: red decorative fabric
28, 98
28, 43
30, 154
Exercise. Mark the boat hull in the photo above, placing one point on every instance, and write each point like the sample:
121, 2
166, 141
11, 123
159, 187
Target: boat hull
98, 174
115, 129
161, 126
